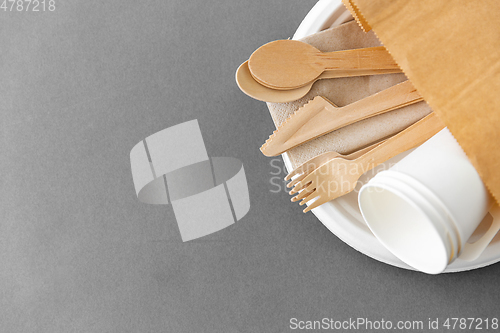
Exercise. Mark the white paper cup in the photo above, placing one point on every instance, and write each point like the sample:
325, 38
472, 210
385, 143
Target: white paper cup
426, 207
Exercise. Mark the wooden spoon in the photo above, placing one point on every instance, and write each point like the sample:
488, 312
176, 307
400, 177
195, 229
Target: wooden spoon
290, 64
254, 89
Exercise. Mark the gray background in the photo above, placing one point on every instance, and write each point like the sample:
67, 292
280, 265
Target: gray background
79, 87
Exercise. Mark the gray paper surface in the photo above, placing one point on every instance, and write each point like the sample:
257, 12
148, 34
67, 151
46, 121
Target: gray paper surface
80, 87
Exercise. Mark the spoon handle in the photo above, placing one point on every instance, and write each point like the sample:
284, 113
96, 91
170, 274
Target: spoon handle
372, 58
335, 74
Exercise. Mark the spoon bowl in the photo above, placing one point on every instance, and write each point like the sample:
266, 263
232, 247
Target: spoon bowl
285, 64
254, 89
290, 64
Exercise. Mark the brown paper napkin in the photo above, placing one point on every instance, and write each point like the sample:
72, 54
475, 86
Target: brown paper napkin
450, 50
344, 91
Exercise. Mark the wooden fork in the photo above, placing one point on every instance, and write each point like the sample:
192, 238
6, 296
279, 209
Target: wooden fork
339, 175
308, 166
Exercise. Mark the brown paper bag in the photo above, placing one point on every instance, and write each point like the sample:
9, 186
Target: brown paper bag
450, 50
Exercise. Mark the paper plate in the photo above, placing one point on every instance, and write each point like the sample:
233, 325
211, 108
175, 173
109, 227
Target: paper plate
342, 216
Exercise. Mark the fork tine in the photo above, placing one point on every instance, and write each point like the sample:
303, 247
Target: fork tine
305, 192
293, 173
318, 202
296, 198
311, 196
310, 178
306, 181
325, 198
303, 169
296, 180
299, 186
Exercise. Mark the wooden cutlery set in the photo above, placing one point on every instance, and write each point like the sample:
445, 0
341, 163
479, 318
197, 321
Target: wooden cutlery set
285, 70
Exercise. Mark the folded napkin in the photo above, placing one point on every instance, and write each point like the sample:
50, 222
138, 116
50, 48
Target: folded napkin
344, 91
